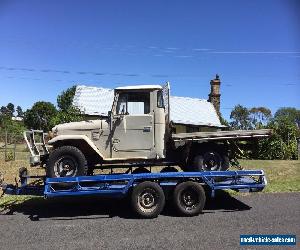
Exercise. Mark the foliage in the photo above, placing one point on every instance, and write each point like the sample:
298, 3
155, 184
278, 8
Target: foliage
12, 127
260, 117
224, 121
254, 118
6, 122
291, 114
19, 111
10, 108
70, 115
285, 125
283, 142
40, 116
65, 99
67, 112
44, 115
7, 110
240, 117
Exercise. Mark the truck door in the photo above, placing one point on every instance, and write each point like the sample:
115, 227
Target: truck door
133, 126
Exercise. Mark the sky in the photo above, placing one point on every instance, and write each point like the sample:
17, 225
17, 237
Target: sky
48, 46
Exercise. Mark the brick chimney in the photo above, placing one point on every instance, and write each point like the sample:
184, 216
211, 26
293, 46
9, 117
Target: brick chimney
214, 96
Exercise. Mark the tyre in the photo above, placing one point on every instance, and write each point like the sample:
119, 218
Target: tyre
141, 170
147, 199
23, 172
210, 161
66, 161
168, 170
189, 198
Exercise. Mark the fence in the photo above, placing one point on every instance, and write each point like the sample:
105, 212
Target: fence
12, 147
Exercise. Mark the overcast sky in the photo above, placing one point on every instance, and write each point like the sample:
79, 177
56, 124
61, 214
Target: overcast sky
48, 46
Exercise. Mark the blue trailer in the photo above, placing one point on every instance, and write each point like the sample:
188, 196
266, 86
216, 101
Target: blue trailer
148, 192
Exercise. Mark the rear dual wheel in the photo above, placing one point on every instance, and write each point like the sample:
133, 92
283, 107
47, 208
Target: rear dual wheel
210, 161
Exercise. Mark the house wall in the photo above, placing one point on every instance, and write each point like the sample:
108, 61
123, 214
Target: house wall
182, 128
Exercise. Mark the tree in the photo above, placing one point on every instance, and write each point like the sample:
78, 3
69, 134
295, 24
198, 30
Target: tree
20, 112
240, 117
283, 142
223, 121
291, 114
65, 99
5, 116
260, 116
4, 111
67, 112
6, 122
11, 109
40, 116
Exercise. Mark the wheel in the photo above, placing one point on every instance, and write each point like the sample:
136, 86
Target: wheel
23, 172
141, 170
189, 198
147, 199
168, 170
210, 161
66, 161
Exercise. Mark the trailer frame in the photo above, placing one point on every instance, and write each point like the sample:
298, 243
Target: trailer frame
124, 185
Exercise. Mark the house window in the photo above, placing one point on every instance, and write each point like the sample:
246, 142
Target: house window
135, 103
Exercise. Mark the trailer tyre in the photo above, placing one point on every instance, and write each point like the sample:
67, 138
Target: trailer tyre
169, 170
147, 199
141, 170
210, 161
66, 161
189, 198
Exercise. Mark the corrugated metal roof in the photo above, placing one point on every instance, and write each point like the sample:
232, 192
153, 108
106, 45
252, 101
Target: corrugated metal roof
193, 111
183, 110
140, 87
93, 100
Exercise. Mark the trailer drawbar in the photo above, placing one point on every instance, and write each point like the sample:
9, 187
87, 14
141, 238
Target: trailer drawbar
148, 192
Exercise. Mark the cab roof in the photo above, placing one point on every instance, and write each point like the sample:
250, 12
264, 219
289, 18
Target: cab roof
137, 87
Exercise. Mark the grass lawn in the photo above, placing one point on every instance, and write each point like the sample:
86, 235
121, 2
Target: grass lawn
282, 176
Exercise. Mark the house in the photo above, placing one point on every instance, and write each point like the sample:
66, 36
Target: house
187, 114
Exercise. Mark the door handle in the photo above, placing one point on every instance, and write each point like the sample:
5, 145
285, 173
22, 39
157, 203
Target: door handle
115, 141
147, 129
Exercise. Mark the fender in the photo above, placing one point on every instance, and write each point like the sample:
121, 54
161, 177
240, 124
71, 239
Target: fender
76, 137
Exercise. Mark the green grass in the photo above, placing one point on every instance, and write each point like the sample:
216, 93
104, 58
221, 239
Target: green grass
282, 175
9, 203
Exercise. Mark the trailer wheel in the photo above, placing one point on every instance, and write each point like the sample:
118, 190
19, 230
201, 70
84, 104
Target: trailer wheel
210, 161
189, 198
169, 170
147, 199
66, 161
141, 170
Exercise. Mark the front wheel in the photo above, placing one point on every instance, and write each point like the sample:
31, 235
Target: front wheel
66, 161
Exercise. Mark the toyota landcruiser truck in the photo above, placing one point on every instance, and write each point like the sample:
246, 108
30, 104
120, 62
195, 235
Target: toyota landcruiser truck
135, 134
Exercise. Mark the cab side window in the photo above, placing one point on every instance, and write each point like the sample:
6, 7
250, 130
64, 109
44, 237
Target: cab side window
135, 103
